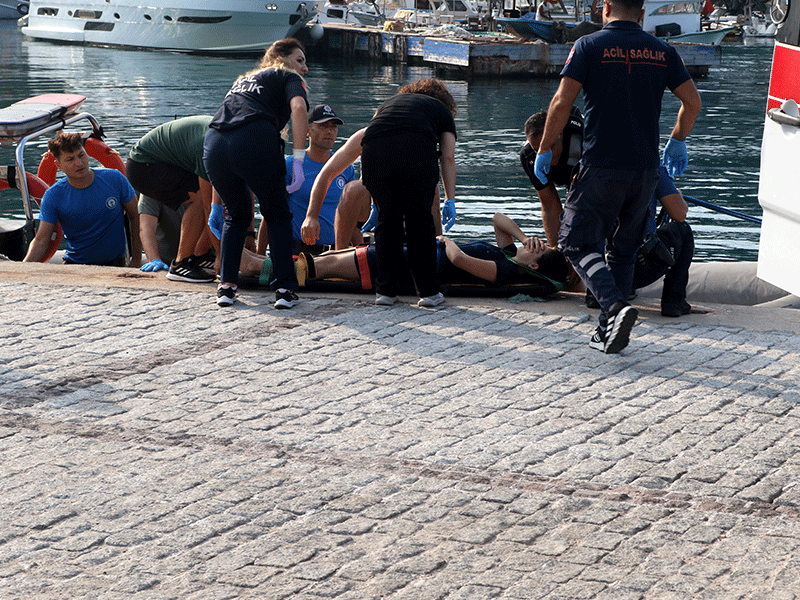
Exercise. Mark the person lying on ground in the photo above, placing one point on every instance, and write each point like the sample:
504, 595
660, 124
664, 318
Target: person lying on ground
472, 263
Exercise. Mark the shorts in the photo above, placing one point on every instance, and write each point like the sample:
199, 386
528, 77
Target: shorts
168, 184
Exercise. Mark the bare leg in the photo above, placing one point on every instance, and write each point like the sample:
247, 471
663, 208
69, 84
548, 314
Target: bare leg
251, 263
263, 239
353, 207
340, 264
192, 224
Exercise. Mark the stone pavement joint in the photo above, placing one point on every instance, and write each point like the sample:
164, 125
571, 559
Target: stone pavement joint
155, 446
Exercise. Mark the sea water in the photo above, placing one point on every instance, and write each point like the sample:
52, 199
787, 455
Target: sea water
132, 91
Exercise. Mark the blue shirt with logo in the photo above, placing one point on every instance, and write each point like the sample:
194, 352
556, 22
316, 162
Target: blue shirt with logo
92, 218
624, 72
298, 201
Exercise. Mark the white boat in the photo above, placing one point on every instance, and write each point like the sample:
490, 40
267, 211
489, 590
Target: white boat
668, 17
340, 12
759, 27
779, 246
713, 37
11, 9
179, 25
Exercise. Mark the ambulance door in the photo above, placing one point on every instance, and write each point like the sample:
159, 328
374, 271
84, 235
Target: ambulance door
779, 182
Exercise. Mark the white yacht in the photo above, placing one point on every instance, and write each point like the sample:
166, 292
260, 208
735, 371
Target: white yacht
179, 25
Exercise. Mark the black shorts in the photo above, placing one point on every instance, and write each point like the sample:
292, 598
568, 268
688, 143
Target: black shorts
168, 184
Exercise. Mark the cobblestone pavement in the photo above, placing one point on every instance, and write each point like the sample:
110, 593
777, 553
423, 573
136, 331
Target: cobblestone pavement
154, 446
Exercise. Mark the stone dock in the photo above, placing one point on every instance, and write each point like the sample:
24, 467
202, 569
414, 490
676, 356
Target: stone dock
155, 446
487, 55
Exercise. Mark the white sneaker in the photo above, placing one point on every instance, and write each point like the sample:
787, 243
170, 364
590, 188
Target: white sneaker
431, 301
381, 300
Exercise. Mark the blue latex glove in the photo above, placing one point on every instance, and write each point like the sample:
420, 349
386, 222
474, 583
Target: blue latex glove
372, 221
676, 158
542, 166
298, 177
154, 265
448, 214
216, 220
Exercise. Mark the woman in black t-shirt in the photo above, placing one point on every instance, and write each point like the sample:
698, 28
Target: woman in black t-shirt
243, 152
407, 140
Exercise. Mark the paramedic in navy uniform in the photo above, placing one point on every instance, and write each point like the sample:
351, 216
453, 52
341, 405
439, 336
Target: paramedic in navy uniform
623, 72
243, 152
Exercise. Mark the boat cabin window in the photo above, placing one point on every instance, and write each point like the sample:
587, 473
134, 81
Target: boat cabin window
47, 11
88, 14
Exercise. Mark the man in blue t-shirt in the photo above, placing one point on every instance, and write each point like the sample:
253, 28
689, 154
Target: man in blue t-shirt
623, 73
90, 205
347, 201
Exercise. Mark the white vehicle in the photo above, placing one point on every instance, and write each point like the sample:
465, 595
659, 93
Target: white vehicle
779, 182
182, 25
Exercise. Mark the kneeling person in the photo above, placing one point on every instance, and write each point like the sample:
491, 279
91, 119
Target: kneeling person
167, 164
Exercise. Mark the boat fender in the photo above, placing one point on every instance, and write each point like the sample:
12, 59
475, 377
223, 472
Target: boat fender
363, 267
36, 188
96, 148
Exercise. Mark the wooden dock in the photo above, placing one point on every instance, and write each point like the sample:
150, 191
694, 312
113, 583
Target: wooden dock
482, 54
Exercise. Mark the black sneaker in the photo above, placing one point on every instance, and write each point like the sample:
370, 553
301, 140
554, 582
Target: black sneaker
618, 330
676, 308
226, 296
286, 299
206, 261
591, 301
187, 270
598, 341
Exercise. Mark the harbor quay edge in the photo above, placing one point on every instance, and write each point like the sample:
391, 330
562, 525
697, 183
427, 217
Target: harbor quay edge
157, 446
505, 57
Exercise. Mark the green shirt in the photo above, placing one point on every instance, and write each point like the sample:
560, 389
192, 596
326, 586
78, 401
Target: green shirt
178, 142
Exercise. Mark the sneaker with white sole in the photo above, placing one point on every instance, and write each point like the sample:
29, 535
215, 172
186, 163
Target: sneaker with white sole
598, 341
431, 301
381, 300
286, 299
188, 270
226, 296
618, 329
206, 261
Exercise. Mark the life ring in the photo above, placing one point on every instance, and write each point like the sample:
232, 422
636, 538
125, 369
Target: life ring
95, 148
36, 189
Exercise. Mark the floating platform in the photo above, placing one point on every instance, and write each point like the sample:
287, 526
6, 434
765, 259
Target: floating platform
480, 54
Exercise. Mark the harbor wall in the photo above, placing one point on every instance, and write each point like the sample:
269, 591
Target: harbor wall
483, 55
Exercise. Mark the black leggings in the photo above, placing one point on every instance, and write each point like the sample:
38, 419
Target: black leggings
402, 172
246, 159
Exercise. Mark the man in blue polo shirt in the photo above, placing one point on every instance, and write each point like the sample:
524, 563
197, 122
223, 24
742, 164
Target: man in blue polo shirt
623, 73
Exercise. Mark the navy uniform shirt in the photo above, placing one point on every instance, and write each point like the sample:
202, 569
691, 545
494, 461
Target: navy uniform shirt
624, 72
264, 95
561, 172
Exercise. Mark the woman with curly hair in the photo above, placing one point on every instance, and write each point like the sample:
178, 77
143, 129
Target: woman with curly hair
243, 152
409, 139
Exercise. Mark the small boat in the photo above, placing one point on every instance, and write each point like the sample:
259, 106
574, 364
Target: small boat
713, 37
339, 12
759, 27
221, 26
532, 28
